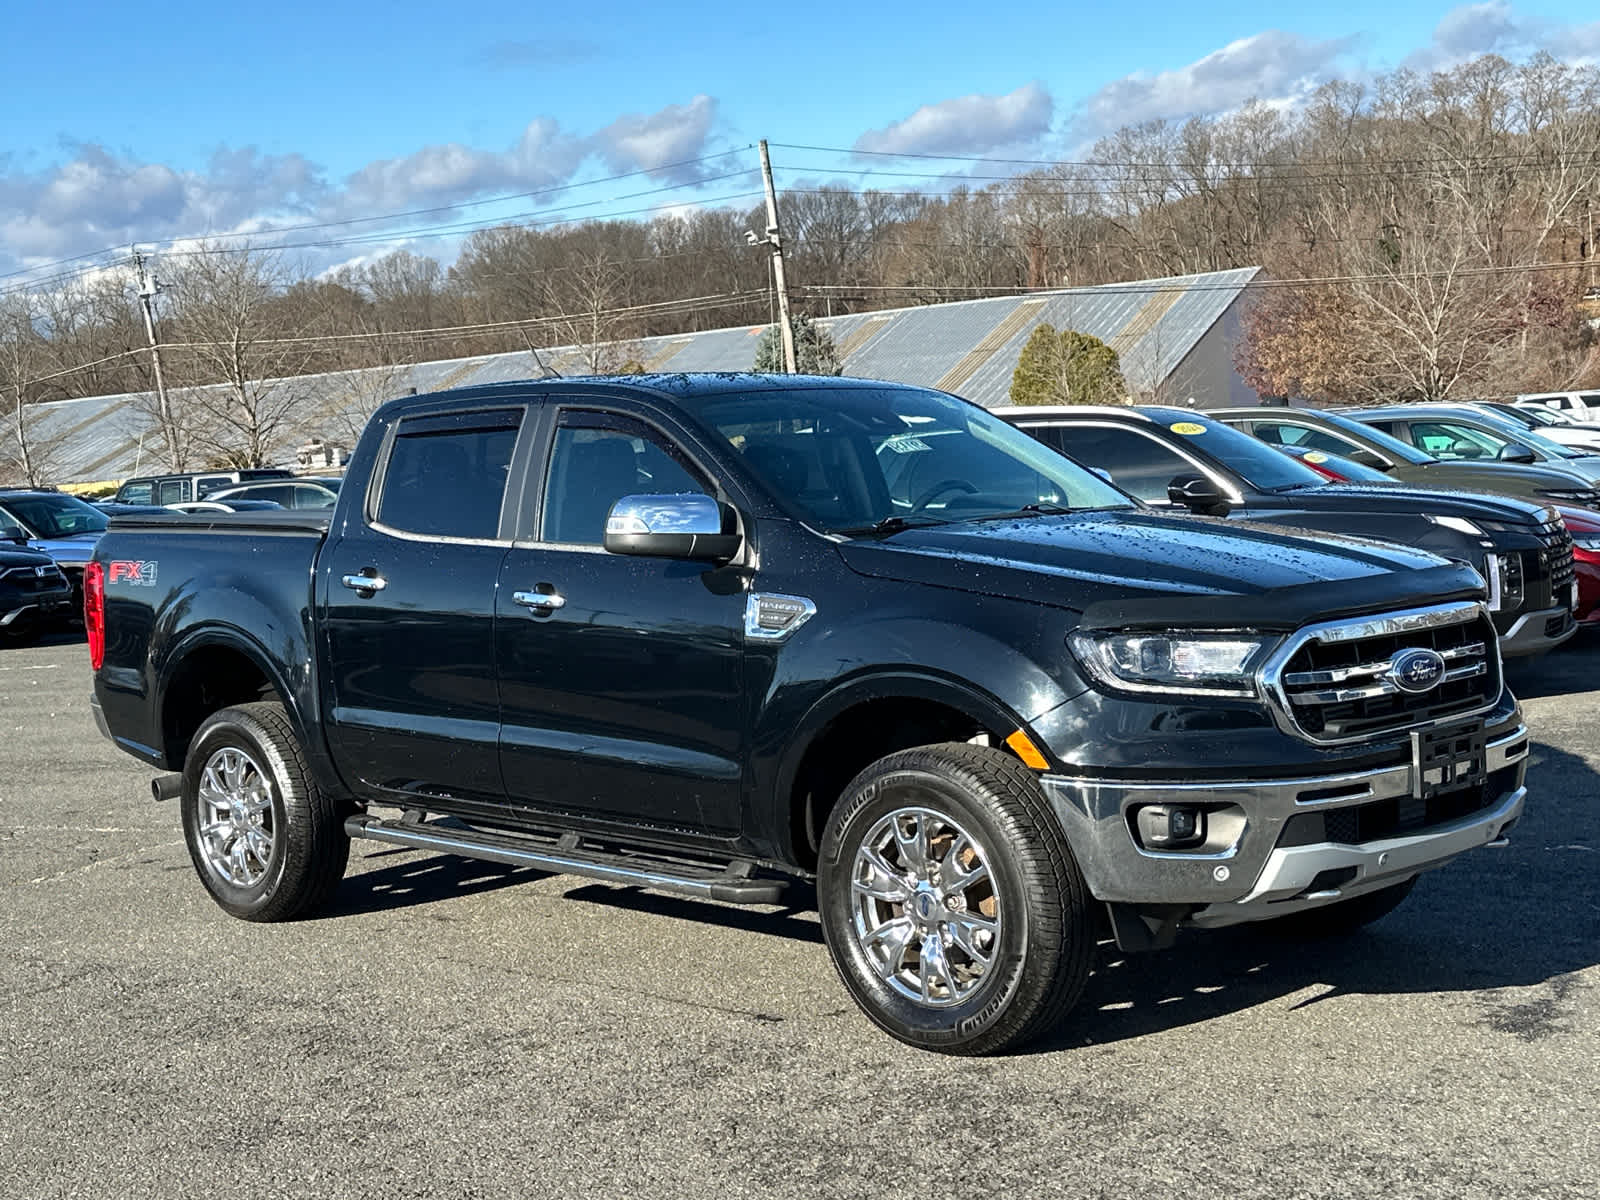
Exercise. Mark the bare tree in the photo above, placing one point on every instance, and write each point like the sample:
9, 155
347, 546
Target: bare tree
241, 352
30, 453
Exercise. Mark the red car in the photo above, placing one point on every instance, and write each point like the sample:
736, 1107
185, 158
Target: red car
1584, 525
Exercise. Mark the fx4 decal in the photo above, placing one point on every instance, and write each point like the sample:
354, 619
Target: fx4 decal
141, 574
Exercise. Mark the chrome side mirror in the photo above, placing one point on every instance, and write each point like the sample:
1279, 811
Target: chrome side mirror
689, 526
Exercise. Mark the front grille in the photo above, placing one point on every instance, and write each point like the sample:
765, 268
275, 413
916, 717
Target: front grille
1337, 687
26, 580
1554, 557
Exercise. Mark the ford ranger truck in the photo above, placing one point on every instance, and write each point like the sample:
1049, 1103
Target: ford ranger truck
713, 634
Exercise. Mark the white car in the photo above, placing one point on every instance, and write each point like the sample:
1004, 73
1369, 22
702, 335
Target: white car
1583, 406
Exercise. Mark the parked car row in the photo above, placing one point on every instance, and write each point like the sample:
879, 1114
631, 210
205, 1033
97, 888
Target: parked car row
64, 530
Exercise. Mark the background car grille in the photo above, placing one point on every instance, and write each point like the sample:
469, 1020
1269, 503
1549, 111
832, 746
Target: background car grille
1340, 690
1555, 557
24, 579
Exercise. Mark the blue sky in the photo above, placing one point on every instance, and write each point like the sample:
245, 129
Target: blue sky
151, 123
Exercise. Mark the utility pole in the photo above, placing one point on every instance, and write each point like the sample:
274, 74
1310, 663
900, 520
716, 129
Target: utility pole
147, 294
775, 240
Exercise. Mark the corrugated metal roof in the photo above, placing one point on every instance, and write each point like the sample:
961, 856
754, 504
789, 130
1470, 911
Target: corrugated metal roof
969, 346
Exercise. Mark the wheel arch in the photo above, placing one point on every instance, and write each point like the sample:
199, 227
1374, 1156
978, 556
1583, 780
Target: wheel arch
213, 669
858, 723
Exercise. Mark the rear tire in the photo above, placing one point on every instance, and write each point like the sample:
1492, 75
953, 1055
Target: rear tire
267, 843
1345, 917
951, 903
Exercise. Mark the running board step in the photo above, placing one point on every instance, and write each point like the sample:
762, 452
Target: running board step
731, 883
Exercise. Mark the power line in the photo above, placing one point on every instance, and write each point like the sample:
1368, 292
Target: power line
1106, 163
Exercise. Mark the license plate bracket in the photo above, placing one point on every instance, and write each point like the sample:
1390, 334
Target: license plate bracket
1448, 759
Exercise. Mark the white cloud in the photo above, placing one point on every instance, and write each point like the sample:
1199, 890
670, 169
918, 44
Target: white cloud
656, 141
1273, 66
966, 124
99, 199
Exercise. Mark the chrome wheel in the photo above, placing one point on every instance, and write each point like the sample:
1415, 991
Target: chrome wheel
237, 828
924, 905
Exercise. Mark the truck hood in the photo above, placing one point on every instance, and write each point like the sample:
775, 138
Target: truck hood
1135, 567
1517, 477
12, 555
1397, 498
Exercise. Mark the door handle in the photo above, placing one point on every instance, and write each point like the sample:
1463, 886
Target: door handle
365, 583
542, 601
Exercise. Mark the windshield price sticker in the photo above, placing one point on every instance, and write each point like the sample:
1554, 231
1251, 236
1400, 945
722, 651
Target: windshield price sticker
1187, 428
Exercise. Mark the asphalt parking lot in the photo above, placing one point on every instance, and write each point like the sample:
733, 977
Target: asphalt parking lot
455, 1029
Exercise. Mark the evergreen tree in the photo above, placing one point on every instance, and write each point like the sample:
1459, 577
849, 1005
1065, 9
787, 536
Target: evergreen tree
814, 351
1067, 368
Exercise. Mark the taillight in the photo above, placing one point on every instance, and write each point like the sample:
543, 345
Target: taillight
94, 612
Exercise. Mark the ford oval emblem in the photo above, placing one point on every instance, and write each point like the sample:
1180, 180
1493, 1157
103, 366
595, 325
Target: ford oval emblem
1416, 670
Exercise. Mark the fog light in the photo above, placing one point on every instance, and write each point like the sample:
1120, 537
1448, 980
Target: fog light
1171, 826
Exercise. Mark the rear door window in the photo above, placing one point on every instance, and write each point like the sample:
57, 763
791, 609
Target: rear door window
446, 474
173, 491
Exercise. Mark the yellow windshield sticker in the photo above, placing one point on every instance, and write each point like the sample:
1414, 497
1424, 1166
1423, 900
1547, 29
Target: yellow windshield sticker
1187, 428
1314, 456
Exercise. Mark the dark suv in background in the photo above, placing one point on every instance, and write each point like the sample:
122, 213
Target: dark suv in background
1177, 459
33, 591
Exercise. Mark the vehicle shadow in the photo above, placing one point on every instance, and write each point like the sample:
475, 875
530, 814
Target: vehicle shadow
417, 880
1569, 668
1514, 918
795, 920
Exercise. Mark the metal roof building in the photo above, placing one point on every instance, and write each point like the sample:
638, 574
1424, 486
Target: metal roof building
1175, 339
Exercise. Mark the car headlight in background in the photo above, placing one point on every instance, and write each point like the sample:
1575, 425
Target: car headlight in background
1459, 524
1586, 541
1220, 664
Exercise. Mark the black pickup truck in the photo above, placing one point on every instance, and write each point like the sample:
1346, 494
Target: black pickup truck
1175, 458
716, 634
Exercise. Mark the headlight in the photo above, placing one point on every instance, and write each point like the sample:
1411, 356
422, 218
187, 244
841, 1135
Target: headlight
1218, 664
1459, 524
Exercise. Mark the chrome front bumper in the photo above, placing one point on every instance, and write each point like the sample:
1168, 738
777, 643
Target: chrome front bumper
1527, 635
1252, 877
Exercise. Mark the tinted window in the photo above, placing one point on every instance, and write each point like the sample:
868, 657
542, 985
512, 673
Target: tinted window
1136, 462
1260, 466
847, 458
1446, 439
446, 475
311, 497
173, 491
599, 459
56, 515
137, 493
1285, 433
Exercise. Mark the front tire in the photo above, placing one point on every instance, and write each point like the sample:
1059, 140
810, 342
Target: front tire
951, 903
267, 843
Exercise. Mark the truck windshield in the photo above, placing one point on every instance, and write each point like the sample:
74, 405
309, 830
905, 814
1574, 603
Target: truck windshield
848, 460
56, 516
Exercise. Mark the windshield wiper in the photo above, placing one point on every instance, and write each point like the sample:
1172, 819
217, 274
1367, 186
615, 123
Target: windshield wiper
894, 524
1043, 508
